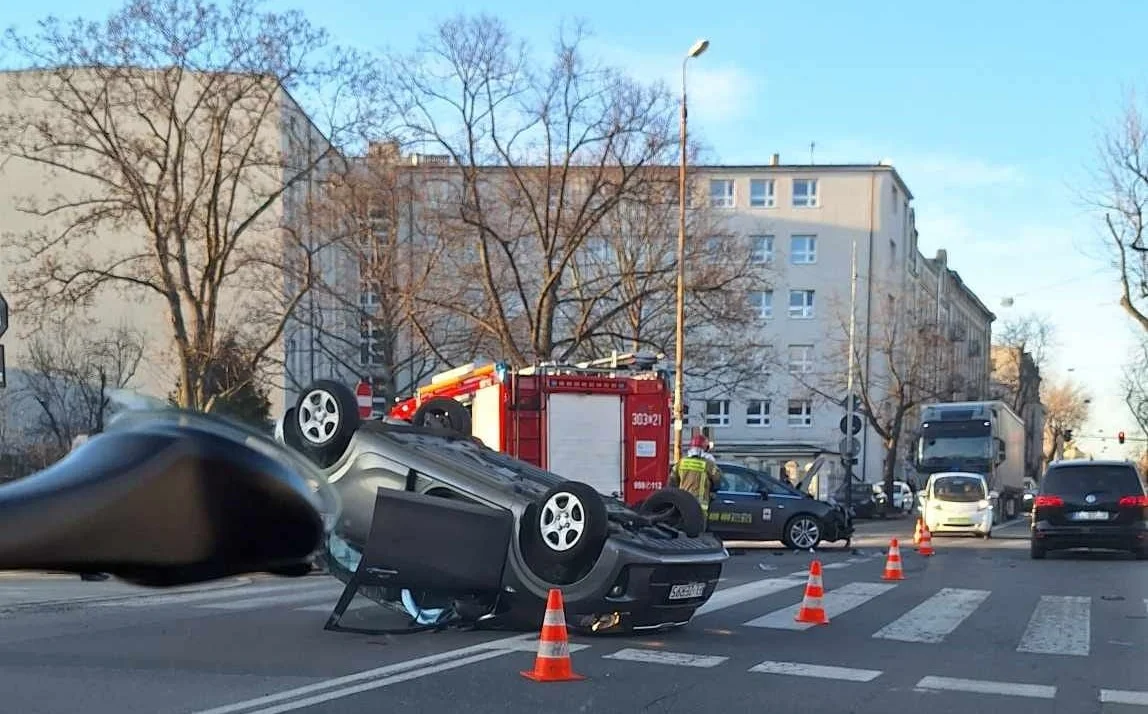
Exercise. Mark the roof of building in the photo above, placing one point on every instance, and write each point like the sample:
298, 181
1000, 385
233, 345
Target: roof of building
805, 168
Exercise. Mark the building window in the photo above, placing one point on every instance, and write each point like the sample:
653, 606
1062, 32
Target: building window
762, 303
761, 249
801, 304
757, 412
800, 412
800, 359
721, 193
761, 193
370, 337
369, 299
803, 250
805, 193
717, 412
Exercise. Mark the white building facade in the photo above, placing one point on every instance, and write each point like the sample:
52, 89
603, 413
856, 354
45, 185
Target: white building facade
803, 221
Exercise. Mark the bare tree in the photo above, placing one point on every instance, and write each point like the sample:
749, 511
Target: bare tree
1066, 409
1030, 336
390, 334
635, 251
174, 126
72, 367
904, 372
1134, 384
540, 154
1123, 196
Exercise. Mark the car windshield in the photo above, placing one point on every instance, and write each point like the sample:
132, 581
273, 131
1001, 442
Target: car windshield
959, 489
1074, 482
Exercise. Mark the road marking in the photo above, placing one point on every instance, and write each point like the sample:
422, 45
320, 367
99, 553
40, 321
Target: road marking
819, 671
1059, 625
325, 607
503, 646
728, 597
836, 566
681, 659
836, 602
1118, 696
379, 684
978, 686
935, 618
532, 646
269, 600
200, 596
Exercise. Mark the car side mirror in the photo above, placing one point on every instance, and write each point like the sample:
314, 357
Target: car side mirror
164, 502
993, 495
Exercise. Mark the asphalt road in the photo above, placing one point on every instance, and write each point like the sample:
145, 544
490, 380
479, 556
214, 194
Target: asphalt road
977, 626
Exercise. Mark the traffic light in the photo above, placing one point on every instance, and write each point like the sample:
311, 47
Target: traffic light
1120, 437
1068, 435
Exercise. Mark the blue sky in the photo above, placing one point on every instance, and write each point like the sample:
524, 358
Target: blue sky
989, 110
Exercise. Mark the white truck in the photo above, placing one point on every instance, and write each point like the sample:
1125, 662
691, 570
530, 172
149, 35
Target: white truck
987, 438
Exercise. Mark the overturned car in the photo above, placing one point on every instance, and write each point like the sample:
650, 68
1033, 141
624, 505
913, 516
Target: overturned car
450, 526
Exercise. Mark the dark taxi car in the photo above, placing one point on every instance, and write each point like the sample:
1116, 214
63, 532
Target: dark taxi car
751, 505
1090, 504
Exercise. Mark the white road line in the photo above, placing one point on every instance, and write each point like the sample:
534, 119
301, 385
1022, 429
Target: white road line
977, 686
819, 671
836, 566
1118, 696
836, 602
269, 601
328, 607
935, 618
1060, 625
503, 646
379, 684
198, 596
681, 659
728, 597
532, 646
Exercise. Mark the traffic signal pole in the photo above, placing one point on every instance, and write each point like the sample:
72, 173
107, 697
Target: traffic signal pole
849, 401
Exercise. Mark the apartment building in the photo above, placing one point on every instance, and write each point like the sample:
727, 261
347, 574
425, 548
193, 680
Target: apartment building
804, 221
285, 135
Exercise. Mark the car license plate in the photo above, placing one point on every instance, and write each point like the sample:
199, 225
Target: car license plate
961, 521
1090, 516
687, 590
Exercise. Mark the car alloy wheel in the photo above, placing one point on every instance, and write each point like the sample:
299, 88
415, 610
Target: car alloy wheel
562, 521
804, 532
319, 417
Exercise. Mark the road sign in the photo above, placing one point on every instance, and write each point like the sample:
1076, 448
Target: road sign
849, 446
3, 315
844, 426
856, 403
363, 397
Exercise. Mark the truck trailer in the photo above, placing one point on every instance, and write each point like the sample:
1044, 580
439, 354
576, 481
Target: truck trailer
987, 438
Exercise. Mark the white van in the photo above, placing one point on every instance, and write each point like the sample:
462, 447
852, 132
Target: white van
958, 502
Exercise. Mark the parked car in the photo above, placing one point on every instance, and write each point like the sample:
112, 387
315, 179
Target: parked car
903, 499
1090, 504
958, 502
467, 528
751, 505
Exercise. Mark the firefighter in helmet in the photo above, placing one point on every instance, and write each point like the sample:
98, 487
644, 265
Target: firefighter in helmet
696, 473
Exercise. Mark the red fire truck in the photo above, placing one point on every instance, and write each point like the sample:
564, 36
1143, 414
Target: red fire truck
606, 423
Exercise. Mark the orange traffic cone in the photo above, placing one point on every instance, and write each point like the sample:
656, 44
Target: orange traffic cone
553, 661
926, 547
893, 563
811, 610
917, 530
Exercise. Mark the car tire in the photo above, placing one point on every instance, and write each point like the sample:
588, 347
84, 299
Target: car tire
1036, 552
802, 532
581, 508
443, 413
676, 508
326, 417
292, 436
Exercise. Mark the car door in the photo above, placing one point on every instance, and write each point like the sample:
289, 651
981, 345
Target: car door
736, 508
783, 503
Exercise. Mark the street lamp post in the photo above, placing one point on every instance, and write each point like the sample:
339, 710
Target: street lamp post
680, 303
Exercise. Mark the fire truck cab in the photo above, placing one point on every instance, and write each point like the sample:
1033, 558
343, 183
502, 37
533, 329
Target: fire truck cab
606, 423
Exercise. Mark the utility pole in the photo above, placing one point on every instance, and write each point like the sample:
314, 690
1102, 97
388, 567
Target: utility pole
850, 411
680, 303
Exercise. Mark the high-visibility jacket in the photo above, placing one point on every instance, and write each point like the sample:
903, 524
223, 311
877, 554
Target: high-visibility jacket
697, 475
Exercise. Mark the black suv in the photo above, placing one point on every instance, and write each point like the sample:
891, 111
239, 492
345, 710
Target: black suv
1090, 504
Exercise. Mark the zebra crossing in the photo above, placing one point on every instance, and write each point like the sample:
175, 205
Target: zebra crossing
1057, 624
